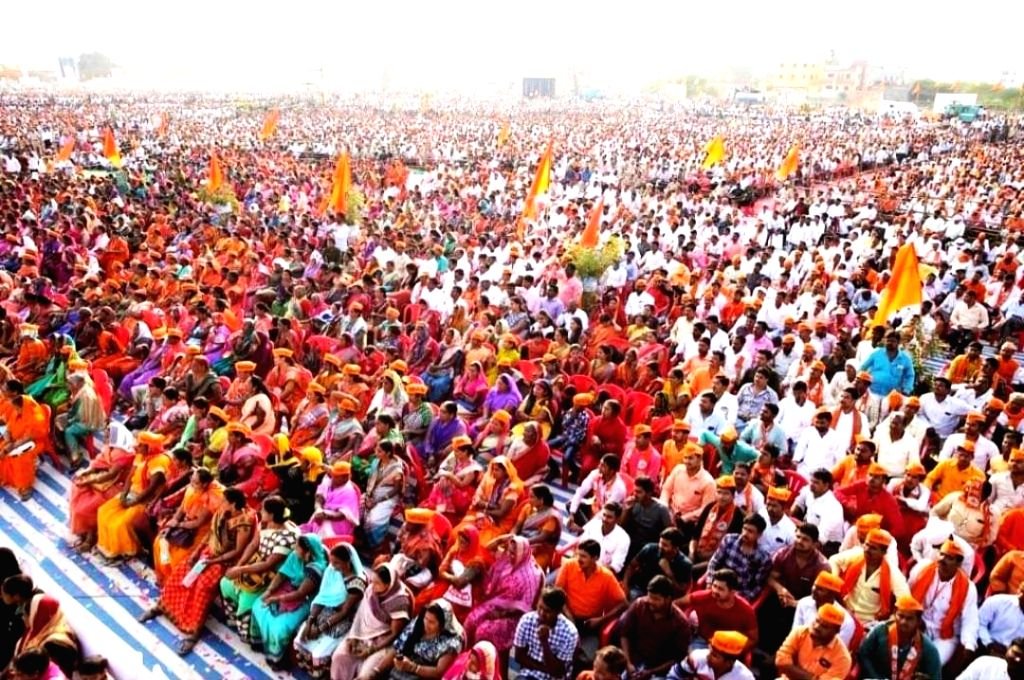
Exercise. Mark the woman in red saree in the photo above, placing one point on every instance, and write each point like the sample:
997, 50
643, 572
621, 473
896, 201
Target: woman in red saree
460, 577
47, 628
192, 585
94, 486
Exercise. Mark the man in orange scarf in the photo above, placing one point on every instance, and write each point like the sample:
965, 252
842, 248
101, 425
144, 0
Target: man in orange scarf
869, 581
950, 604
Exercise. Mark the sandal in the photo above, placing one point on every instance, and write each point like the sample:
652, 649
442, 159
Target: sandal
187, 645
150, 614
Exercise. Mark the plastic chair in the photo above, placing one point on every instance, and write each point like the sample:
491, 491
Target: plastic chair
635, 407
411, 313
529, 369
979, 567
614, 392
331, 541
795, 481
582, 383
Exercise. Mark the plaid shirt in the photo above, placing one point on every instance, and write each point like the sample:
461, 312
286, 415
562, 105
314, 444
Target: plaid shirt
563, 641
753, 569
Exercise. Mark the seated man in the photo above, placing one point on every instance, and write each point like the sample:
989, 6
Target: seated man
950, 603
1000, 622
593, 593
652, 632
601, 486
904, 637
1011, 665
718, 518
609, 664
613, 539
826, 590
645, 516
742, 553
545, 640
720, 607
664, 558
790, 579
721, 660
816, 652
1008, 574
869, 581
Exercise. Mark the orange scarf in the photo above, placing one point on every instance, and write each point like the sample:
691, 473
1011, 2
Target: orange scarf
857, 424
852, 575
956, 601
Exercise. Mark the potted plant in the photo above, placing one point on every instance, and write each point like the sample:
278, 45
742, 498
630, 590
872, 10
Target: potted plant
592, 263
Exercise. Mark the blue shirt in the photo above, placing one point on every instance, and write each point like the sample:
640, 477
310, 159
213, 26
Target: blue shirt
890, 374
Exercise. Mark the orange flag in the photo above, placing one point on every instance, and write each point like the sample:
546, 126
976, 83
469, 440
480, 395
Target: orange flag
270, 124
216, 179
714, 152
541, 182
341, 185
161, 128
504, 133
790, 164
110, 151
904, 287
66, 148
592, 234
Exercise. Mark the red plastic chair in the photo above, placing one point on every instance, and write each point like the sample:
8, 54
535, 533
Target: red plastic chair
49, 448
635, 407
582, 383
332, 541
412, 313
979, 567
795, 481
529, 369
225, 383
614, 392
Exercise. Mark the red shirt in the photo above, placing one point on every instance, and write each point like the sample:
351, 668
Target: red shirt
711, 617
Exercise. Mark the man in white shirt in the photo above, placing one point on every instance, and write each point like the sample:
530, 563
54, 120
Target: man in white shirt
818, 505
896, 449
950, 601
1011, 666
819, 446
1008, 486
639, 300
605, 484
795, 413
984, 448
968, 319
942, 411
780, 530
613, 539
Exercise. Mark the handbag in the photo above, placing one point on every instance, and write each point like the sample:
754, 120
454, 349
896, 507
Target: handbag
180, 537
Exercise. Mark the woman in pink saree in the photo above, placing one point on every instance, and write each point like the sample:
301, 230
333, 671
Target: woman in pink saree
337, 504
510, 591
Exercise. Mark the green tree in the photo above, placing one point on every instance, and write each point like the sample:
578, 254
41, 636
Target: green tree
94, 65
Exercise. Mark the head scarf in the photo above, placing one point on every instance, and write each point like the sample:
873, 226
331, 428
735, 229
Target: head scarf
333, 590
486, 656
294, 569
508, 401
514, 580
397, 589
489, 486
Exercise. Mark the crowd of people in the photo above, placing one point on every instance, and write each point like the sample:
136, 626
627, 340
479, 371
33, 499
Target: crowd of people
425, 439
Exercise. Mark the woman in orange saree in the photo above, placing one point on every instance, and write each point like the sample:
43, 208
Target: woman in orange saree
94, 486
461, 576
190, 524
28, 429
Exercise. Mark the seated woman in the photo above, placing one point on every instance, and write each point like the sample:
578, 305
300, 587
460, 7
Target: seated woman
540, 398
383, 494
330, 616
389, 398
189, 590
417, 416
428, 645
529, 451
382, 614
257, 410
310, 417
189, 526
243, 584
438, 377
24, 437
540, 523
504, 396
420, 549
510, 591
456, 481
35, 664
602, 367
338, 504
461, 574
480, 662
122, 518
471, 390
277, 615
496, 501
491, 440
45, 625
298, 474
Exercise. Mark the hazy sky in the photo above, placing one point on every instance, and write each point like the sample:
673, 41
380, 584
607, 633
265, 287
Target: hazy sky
449, 42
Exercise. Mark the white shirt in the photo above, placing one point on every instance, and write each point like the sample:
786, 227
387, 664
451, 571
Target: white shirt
944, 416
1000, 619
614, 545
937, 602
984, 449
603, 492
776, 536
696, 665
1004, 496
637, 303
925, 544
824, 511
896, 456
794, 418
807, 613
985, 668
814, 451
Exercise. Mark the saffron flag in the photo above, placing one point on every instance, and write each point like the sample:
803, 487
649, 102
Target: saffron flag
341, 185
503, 134
916, 90
110, 151
790, 164
161, 128
541, 182
592, 232
904, 288
216, 179
66, 148
714, 152
270, 124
